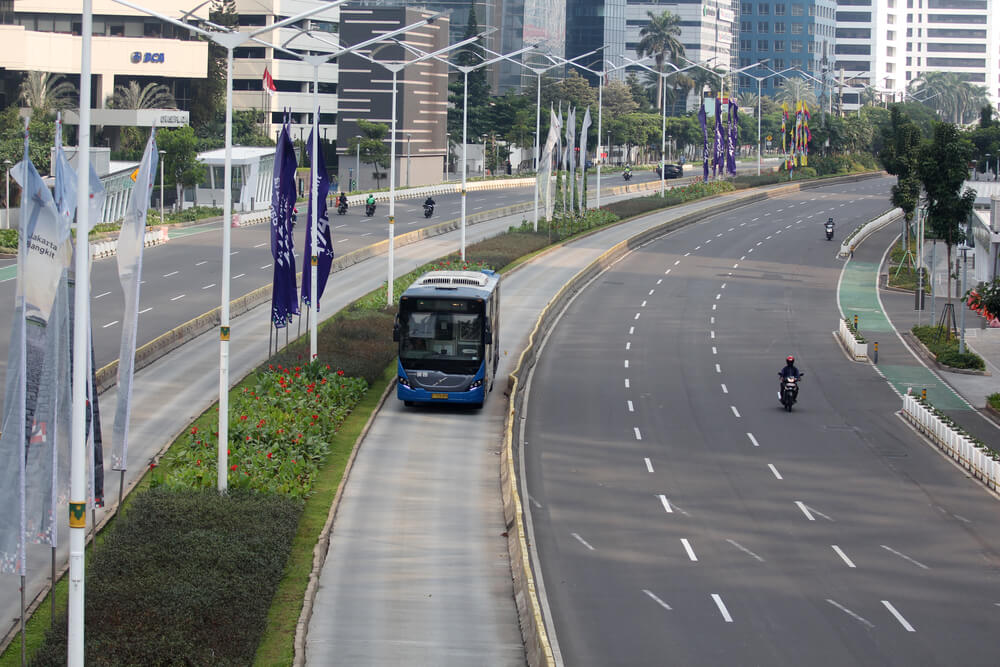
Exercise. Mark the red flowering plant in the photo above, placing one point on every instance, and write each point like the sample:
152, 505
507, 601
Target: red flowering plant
280, 427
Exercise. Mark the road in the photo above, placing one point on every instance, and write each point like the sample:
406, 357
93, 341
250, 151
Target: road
680, 515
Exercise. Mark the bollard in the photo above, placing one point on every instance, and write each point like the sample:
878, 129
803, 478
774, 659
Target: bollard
923, 394
855, 321
875, 353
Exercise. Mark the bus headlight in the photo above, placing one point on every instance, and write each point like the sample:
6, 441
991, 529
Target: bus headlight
476, 385
403, 381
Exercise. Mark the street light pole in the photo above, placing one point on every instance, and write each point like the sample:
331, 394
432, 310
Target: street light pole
7, 164
162, 154
408, 137
357, 170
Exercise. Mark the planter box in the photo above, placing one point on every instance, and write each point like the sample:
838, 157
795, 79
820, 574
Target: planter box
857, 350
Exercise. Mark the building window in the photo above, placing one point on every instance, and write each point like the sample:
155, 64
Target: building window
909, 61
796, 28
779, 63
745, 45
779, 10
796, 46
779, 45
812, 29
762, 27
779, 28
762, 45
812, 10
909, 75
797, 10
763, 9
812, 47
890, 51
747, 8
890, 35
890, 67
745, 26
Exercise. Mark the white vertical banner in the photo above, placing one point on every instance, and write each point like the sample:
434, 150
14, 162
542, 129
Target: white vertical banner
130, 245
584, 128
545, 166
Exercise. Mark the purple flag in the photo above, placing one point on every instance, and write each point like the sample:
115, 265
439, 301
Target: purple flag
284, 301
704, 140
324, 244
731, 144
717, 161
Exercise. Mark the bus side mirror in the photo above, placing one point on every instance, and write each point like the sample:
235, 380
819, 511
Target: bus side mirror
395, 330
488, 330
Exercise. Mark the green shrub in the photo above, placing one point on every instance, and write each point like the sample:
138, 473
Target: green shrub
632, 207
8, 238
804, 172
183, 577
946, 350
994, 401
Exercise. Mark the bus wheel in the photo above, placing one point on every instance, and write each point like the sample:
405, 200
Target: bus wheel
408, 404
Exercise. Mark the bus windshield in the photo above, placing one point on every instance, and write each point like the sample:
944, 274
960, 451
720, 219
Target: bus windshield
441, 334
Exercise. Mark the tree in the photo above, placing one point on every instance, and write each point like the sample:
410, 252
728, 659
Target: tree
618, 100
796, 90
150, 96
948, 92
574, 91
902, 141
42, 129
180, 164
659, 38
44, 92
374, 150
208, 95
942, 168
479, 89
639, 92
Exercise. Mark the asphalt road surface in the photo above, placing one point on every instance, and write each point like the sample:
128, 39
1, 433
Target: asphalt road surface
682, 517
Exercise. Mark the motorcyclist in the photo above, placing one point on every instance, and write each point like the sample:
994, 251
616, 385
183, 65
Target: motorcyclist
788, 371
628, 172
429, 202
370, 202
342, 199
829, 223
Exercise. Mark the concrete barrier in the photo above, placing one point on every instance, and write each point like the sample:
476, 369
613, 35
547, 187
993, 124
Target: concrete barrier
858, 351
861, 233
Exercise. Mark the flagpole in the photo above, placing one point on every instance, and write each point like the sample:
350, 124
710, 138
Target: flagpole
465, 149
22, 399
78, 462
392, 183
222, 472
314, 222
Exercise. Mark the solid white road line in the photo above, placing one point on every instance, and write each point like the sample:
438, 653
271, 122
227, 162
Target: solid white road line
899, 617
649, 464
851, 613
172, 273
638, 436
110, 324
688, 549
905, 557
753, 439
722, 608
735, 411
725, 390
582, 541
145, 310
663, 498
179, 296
630, 407
805, 510
656, 599
745, 550
775, 471
209, 286
103, 294
843, 556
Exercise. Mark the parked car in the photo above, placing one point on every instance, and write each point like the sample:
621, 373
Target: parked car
670, 170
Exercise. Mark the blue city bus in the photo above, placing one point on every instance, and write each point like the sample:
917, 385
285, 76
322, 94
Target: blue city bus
448, 329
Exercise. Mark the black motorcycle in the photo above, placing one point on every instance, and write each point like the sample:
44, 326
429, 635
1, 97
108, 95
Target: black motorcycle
369, 210
342, 208
627, 176
829, 230
428, 210
789, 391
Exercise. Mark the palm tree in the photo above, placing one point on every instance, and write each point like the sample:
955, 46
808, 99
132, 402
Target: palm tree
949, 93
152, 96
659, 38
796, 90
45, 91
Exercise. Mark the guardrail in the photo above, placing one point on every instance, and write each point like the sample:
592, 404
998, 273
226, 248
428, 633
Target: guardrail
862, 232
968, 452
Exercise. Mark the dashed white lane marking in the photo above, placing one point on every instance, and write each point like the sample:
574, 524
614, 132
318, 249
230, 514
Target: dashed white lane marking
145, 310
745, 550
651, 291
179, 296
200, 263
718, 368
643, 304
346, 240
851, 613
638, 435
266, 266
719, 235
712, 333
663, 499
234, 252
749, 251
754, 220
899, 617
626, 383
628, 346
722, 608
582, 541
677, 262
688, 549
667, 272
714, 350
736, 265
714, 305
658, 282
172, 273
753, 439
239, 276
637, 316
102, 294
779, 210
843, 556
778, 231
743, 257
735, 411
961, 518
631, 408
743, 224
775, 471
805, 510
905, 557
649, 464
687, 254
631, 330
656, 599
725, 390
209, 286
718, 296
696, 249
724, 285
707, 241
261, 245
711, 320
731, 229
768, 238
110, 324
626, 363
759, 243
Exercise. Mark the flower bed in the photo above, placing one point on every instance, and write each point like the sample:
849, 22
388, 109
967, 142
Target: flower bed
852, 339
945, 350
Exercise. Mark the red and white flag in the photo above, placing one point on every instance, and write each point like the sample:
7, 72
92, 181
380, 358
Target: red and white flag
269, 82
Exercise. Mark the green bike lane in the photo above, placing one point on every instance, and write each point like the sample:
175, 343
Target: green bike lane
858, 295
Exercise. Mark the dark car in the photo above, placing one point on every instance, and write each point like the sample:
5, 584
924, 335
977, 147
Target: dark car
670, 171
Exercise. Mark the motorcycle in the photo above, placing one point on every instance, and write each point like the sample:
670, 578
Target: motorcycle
829, 231
428, 210
342, 209
369, 210
627, 176
789, 391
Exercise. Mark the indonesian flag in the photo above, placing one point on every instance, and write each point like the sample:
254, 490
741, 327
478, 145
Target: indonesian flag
269, 82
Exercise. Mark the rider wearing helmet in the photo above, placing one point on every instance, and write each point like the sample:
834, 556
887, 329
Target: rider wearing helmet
788, 371
342, 199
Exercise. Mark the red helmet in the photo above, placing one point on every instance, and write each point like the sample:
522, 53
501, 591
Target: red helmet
790, 359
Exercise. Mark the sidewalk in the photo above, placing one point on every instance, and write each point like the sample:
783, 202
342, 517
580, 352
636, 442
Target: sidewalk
886, 316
